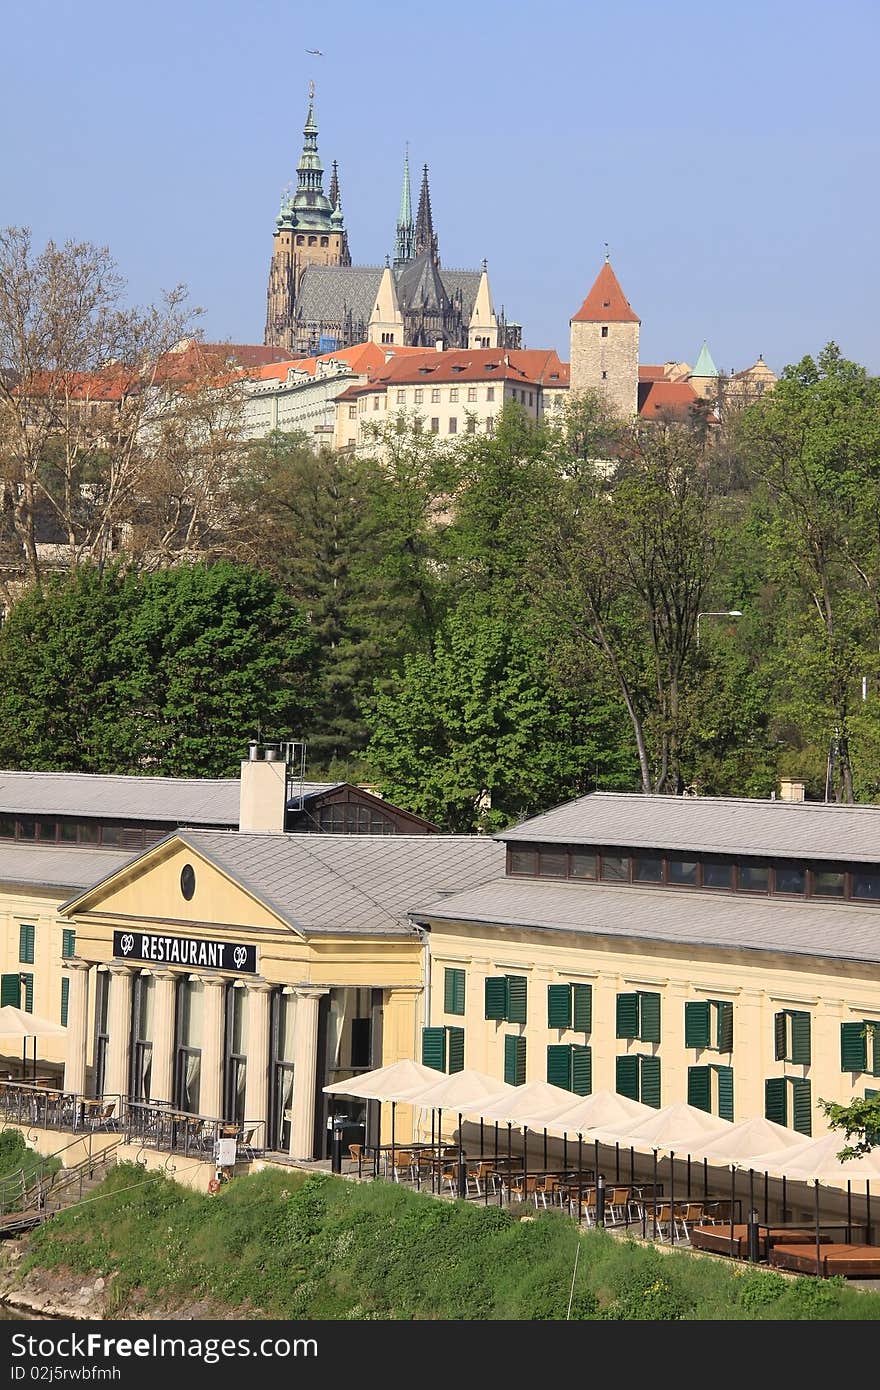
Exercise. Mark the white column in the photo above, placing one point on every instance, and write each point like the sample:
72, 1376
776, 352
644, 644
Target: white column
77, 1026
211, 1090
119, 1029
305, 1059
162, 1082
256, 1093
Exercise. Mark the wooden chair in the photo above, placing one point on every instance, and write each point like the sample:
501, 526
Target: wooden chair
356, 1154
617, 1206
688, 1215
478, 1177
661, 1221
548, 1187
403, 1167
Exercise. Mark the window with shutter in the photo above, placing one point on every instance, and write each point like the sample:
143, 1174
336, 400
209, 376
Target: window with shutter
626, 1078
455, 1048
514, 1060
725, 1092
581, 1069
800, 1037
627, 1016
65, 999
434, 1048
780, 1036
650, 1081
700, 1088
649, 1017
725, 1025
559, 1006
853, 1047
775, 1097
10, 990
559, 1065
68, 944
28, 987
696, 1026
801, 1105
517, 987
496, 997
582, 1008
453, 991
26, 943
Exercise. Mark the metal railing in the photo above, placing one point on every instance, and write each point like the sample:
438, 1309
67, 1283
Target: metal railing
47, 1108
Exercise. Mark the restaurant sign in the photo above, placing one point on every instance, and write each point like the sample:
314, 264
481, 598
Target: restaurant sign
185, 950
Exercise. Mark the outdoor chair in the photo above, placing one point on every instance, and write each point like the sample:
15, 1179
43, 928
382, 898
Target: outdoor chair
661, 1221
404, 1165
356, 1154
548, 1188
478, 1177
617, 1206
690, 1214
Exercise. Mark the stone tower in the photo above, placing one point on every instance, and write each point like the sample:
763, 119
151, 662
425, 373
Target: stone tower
309, 230
605, 345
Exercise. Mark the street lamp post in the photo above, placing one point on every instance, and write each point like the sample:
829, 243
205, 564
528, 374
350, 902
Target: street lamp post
717, 613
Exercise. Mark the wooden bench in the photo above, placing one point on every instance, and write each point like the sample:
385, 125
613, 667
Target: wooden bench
716, 1239
852, 1261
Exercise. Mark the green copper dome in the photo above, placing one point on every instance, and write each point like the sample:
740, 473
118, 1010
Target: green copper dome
705, 366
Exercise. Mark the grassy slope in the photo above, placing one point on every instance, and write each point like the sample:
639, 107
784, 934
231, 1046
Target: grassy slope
287, 1246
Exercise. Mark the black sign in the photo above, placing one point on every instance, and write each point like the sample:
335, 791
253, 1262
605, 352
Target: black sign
196, 953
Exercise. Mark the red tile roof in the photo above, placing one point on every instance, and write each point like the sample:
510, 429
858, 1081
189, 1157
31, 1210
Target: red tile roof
362, 357
606, 302
464, 364
676, 398
649, 373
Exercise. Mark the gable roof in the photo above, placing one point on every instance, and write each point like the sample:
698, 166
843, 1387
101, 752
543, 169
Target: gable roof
57, 866
724, 825
666, 397
606, 302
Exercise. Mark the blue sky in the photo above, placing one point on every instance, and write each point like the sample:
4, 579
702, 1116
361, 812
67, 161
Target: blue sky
727, 153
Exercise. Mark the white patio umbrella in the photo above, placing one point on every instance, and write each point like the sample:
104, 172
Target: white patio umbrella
674, 1127
398, 1081
744, 1140
466, 1091
18, 1023
602, 1110
532, 1106
816, 1160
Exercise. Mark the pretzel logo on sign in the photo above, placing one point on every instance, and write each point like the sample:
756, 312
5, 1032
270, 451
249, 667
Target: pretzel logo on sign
127, 943
239, 955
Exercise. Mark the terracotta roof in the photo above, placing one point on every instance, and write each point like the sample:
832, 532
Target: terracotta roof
606, 302
462, 364
666, 397
111, 384
541, 364
647, 373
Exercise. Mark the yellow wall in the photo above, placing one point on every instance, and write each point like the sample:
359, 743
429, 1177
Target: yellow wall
40, 908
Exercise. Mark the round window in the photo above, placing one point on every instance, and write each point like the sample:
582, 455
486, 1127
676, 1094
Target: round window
187, 881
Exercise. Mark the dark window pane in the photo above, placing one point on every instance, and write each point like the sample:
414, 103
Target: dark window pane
27, 829
754, 878
647, 869
583, 864
523, 861
122, 837
682, 871
828, 884
717, 874
88, 833
7, 827
67, 831
790, 879
615, 868
866, 883
554, 863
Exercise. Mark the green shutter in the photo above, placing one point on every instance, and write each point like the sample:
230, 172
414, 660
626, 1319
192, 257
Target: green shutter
10, 991
650, 1091
649, 1017
517, 986
65, 998
514, 1060
725, 1092
28, 982
453, 992
582, 1010
696, 1027
559, 1065
627, 1017
800, 1037
801, 1105
68, 943
581, 1069
853, 1047
780, 1036
455, 1048
775, 1098
874, 1038
559, 1006
627, 1076
496, 997
434, 1048
700, 1088
26, 943
725, 1026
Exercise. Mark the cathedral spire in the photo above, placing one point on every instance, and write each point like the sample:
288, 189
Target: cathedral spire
311, 208
404, 245
426, 237
333, 194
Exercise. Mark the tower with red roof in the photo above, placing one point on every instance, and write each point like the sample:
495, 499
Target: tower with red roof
605, 345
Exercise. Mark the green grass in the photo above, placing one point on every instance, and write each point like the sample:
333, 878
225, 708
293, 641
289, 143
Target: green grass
287, 1245
16, 1157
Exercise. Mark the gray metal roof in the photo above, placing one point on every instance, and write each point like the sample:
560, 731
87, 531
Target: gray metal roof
327, 293
725, 825
58, 866
352, 884
169, 800
834, 931
468, 281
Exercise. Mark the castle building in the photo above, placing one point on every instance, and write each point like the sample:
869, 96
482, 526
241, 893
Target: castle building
319, 302
605, 345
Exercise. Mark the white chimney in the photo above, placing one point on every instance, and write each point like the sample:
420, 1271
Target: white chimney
263, 795
439, 345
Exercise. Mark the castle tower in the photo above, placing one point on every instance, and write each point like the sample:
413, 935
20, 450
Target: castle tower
483, 327
386, 320
605, 345
704, 377
426, 237
308, 231
405, 241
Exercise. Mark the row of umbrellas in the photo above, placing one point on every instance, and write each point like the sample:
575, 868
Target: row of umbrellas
608, 1118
